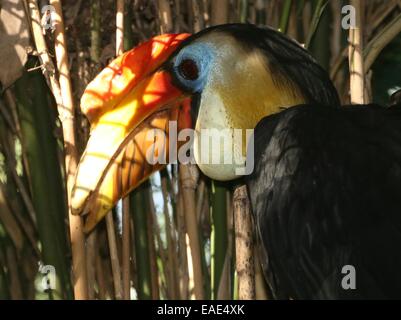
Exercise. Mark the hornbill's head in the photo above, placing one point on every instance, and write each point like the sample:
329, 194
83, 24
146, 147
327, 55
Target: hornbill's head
226, 77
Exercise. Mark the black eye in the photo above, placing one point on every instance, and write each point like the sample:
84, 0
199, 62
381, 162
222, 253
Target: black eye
188, 69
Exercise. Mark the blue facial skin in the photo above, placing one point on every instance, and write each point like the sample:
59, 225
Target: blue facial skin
200, 53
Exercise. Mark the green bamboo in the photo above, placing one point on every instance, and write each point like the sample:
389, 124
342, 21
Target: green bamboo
128, 35
4, 282
243, 11
318, 41
48, 194
219, 233
285, 15
139, 206
317, 14
27, 253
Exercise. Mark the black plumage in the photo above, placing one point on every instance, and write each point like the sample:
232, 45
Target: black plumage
326, 192
326, 188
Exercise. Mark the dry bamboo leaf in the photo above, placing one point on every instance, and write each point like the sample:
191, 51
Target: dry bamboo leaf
14, 39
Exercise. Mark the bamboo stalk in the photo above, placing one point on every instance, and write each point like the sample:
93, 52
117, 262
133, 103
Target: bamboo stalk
4, 287
8, 221
95, 30
139, 212
125, 208
225, 286
285, 15
166, 21
120, 27
355, 56
100, 276
167, 272
91, 263
200, 199
184, 272
10, 99
219, 12
244, 244
198, 19
154, 274
20, 185
243, 11
171, 243
321, 4
15, 281
380, 41
48, 199
115, 263
188, 177
126, 250
66, 113
219, 235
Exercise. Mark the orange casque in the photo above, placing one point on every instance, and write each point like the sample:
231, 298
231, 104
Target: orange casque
121, 106
124, 73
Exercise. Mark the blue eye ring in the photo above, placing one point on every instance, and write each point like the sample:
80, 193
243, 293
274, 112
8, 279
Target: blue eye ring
191, 66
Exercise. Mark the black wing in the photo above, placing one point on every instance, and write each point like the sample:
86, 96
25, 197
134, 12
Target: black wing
326, 192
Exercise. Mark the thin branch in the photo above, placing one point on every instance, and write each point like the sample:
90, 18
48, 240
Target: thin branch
285, 16
320, 6
115, 263
380, 41
120, 27
125, 208
166, 21
357, 74
188, 182
244, 244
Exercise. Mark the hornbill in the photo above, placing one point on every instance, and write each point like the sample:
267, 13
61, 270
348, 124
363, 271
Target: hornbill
325, 189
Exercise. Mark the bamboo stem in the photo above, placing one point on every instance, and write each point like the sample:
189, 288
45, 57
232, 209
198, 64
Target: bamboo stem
184, 263
357, 74
315, 21
126, 256
167, 272
198, 19
125, 209
66, 115
219, 12
171, 243
115, 263
380, 41
100, 276
95, 30
91, 263
285, 16
154, 274
139, 210
188, 183
166, 21
120, 27
71, 155
219, 235
244, 244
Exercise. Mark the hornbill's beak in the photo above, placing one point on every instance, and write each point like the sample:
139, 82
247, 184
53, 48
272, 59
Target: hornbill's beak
125, 103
